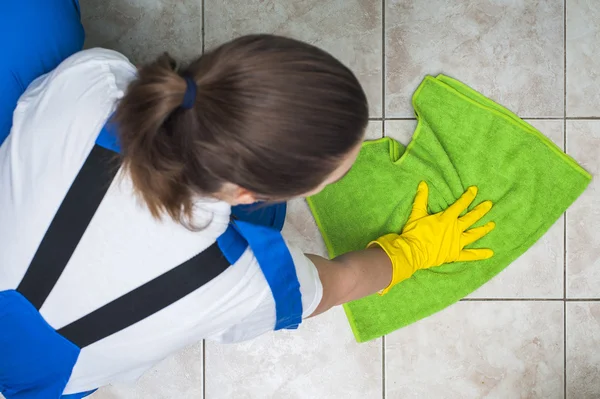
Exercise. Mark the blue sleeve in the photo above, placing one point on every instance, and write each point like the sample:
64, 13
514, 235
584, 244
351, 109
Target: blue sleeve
276, 262
264, 215
35, 362
35, 36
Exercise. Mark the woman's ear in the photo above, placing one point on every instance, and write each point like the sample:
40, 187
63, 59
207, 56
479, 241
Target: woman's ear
236, 195
244, 197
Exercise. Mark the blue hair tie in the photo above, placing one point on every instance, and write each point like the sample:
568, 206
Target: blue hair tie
189, 98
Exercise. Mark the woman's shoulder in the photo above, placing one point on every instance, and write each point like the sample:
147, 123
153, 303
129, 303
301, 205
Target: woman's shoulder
96, 60
96, 54
73, 101
83, 72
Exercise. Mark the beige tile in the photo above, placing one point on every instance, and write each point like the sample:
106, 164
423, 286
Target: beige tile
553, 129
142, 30
583, 354
374, 130
583, 218
301, 230
512, 51
349, 29
583, 62
179, 376
401, 131
479, 350
320, 360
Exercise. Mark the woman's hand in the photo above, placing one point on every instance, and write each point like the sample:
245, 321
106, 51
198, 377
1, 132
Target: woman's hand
426, 241
432, 240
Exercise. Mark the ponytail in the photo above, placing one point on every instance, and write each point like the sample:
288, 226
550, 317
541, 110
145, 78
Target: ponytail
150, 152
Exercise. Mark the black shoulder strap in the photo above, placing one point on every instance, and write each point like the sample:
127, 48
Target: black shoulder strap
147, 299
62, 237
67, 227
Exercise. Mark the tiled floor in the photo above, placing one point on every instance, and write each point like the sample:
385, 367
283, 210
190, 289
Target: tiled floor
532, 332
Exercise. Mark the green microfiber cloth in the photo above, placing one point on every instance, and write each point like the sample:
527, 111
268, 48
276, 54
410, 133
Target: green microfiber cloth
462, 139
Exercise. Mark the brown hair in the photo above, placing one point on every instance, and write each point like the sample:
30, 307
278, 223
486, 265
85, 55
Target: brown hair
272, 115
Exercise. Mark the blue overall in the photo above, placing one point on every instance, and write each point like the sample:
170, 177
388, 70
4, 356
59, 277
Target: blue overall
35, 360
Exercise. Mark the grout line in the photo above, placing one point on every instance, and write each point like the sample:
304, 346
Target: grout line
512, 300
530, 300
383, 390
565, 300
203, 24
393, 119
565, 61
383, 71
565, 350
582, 300
526, 118
203, 369
542, 118
383, 119
565, 216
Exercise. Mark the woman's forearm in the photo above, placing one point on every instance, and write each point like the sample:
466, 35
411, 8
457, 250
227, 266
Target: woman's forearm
427, 240
352, 276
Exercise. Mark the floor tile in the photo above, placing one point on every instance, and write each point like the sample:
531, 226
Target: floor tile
583, 63
142, 30
401, 131
300, 229
583, 354
479, 350
583, 218
512, 51
179, 376
539, 272
374, 130
320, 360
350, 29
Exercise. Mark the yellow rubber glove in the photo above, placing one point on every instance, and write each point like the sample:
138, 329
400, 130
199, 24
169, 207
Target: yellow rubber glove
432, 240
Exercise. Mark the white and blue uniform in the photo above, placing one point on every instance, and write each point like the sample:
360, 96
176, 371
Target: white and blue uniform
81, 309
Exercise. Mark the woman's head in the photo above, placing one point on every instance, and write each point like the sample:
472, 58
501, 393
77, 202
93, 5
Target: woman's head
273, 118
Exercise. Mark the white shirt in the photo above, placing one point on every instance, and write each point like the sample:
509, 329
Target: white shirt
55, 126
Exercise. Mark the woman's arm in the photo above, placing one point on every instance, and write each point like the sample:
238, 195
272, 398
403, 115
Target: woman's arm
352, 276
426, 241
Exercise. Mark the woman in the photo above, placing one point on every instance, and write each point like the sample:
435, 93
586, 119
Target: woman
127, 229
